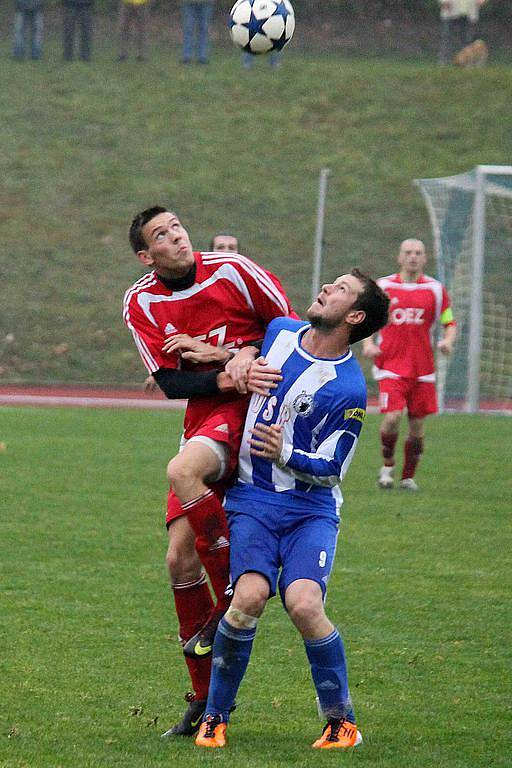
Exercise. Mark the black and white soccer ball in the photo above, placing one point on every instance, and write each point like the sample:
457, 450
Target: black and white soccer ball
261, 26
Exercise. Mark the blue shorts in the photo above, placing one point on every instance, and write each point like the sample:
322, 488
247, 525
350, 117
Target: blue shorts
282, 550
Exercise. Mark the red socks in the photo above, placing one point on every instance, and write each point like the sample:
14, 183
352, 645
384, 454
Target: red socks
413, 448
388, 440
194, 604
208, 521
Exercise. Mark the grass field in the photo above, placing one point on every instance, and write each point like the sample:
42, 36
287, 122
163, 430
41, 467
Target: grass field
86, 146
90, 667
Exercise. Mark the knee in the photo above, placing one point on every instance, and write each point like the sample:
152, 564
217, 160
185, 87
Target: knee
391, 422
182, 562
251, 596
305, 609
180, 473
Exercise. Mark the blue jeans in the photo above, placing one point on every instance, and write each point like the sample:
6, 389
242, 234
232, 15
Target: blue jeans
77, 16
25, 22
196, 18
248, 59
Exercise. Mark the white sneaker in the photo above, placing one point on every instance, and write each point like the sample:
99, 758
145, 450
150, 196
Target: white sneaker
408, 484
385, 479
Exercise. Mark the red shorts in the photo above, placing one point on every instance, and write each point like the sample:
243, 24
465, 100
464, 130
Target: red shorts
419, 397
223, 425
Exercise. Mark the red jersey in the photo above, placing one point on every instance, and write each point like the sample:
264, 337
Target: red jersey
230, 303
406, 341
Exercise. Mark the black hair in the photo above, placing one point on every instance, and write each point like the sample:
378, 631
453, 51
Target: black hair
137, 241
374, 302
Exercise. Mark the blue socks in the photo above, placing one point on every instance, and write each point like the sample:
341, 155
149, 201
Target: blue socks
231, 651
329, 671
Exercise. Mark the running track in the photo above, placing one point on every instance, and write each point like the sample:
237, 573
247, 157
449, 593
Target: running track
94, 397
85, 397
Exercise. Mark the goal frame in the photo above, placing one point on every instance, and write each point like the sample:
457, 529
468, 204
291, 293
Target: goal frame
476, 295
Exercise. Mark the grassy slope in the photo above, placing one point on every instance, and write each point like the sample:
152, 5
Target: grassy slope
419, 591
84, 147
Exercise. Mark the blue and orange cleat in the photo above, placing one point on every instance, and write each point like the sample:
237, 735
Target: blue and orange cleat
212, 732
338, 734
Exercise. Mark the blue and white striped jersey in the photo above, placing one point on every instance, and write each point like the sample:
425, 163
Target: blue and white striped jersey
321, 405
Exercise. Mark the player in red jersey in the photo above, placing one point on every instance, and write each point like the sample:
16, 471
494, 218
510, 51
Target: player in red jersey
221, 242
404, 358
189, 316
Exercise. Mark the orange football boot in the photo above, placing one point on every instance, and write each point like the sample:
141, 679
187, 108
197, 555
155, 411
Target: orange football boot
338, 733
212, 732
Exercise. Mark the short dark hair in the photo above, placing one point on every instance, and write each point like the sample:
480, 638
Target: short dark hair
222, 234
137, 241
374, 302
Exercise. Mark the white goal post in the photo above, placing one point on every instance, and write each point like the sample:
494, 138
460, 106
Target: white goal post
471, 218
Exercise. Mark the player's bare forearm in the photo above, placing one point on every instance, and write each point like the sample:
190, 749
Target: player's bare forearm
266, 441
194, 350
447, 343
262, 378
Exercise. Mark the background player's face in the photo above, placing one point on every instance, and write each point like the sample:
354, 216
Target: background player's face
412, 257
225, 243
169, 249
334, 302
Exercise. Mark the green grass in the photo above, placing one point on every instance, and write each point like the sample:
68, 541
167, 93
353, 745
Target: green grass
88, 634
84, 147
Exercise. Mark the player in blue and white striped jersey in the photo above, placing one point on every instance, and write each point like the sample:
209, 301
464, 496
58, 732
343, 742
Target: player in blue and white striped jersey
283, 513
320, 407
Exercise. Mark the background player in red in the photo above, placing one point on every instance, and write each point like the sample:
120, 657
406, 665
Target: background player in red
225, 241
188, 317
404, 358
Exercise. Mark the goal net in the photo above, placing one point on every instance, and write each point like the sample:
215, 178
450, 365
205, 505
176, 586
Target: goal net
471, 217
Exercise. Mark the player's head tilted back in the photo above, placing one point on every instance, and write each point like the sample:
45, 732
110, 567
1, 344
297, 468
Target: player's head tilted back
353, 300
374, 303
160, 240
225, 242
137, 241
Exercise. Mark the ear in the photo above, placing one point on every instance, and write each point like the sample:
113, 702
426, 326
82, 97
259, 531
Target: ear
145, 258
355, 316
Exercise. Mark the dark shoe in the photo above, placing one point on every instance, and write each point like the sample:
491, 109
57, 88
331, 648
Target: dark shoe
201, 644
191, 720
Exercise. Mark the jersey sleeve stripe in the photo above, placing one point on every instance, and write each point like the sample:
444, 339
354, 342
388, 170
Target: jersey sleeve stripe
145, 282
147, 358
259, 274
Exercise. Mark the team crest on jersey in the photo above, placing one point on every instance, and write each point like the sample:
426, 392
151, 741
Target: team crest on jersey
303, 404
169, 328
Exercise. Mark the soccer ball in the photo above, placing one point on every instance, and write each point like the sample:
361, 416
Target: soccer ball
261, 26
